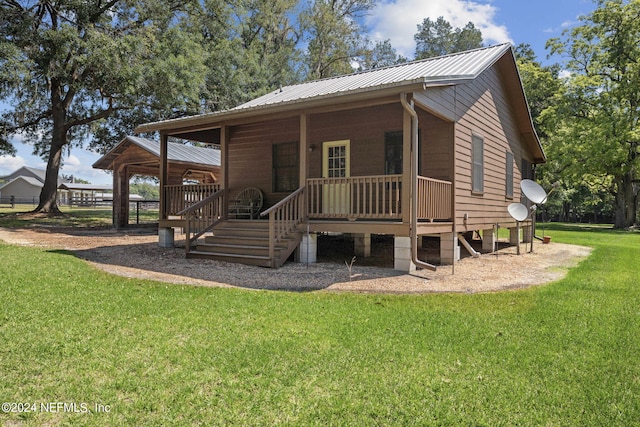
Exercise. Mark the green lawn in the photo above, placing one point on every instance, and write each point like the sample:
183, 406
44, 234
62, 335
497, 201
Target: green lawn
72, 217
564, 354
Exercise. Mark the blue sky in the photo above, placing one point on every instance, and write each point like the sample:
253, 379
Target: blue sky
514, 21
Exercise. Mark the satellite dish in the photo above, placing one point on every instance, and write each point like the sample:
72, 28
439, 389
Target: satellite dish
533, 191
518, 211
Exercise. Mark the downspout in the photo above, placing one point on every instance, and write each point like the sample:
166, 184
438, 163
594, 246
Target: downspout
414, 184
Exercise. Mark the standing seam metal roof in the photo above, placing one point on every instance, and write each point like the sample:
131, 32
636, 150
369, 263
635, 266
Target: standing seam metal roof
175, 152
180, 152
459, 66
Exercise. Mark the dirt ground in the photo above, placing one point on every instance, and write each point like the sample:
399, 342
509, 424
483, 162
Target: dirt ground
136, 254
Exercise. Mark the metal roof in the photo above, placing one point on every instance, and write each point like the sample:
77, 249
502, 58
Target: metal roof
176, 152
72, 186
443, 70
28, 179
38, 174
440, 70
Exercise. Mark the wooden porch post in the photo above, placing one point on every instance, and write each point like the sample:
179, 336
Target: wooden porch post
304, 143
120, 196
163, 175
224, 165
116, 197
406, 167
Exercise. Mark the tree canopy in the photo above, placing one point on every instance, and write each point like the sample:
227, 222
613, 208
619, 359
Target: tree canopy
334, 37
439, 37
68, 66
593, 120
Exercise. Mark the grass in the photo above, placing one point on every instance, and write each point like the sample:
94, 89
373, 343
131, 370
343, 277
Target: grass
19, 217
157, 354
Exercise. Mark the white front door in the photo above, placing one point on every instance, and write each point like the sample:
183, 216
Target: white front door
336, 164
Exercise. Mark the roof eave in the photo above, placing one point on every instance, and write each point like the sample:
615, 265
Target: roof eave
542, 158
294, 105
107, 159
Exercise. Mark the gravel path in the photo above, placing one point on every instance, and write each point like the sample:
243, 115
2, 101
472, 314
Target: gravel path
136, 254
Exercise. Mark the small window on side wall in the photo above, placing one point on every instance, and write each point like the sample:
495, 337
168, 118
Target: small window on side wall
509, 176
477, 158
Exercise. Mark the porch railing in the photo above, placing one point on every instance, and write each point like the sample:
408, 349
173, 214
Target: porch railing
434, 199
180, 197
284, 217
366, 197
203, 216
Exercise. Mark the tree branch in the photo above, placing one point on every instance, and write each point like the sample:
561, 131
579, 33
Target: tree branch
96, 16
30, 123
101, 115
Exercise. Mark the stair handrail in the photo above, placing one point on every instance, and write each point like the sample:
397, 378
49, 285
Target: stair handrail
284, 217
215, 210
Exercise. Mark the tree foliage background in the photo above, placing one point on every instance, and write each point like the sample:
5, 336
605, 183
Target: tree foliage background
85, 73
592, 120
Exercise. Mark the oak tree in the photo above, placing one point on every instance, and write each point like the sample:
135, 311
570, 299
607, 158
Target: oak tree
596, 119
69, 66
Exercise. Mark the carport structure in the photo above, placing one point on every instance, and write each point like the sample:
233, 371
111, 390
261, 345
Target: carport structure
197, 167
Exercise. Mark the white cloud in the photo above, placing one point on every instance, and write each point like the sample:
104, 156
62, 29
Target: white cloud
398, 20
72, 161
564, 74
80, 166
9, 164
568, 24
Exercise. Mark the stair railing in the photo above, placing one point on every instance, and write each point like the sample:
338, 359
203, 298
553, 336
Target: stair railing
284, 217
202, 216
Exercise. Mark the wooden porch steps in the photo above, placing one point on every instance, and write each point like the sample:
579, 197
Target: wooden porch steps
244, 242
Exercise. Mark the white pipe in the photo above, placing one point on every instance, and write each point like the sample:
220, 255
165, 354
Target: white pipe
467, 246
414, 185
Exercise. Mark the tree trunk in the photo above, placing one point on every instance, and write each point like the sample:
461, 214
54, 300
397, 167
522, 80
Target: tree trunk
625, 202
48, 195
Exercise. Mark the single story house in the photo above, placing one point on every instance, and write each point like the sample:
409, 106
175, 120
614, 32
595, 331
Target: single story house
191, 172
433, 147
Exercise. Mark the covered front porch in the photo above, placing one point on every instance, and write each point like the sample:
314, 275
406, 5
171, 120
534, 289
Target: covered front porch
358, 205
358, 168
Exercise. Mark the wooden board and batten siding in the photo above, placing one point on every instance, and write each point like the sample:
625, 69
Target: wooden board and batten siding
482, 108
364, 127
250, 155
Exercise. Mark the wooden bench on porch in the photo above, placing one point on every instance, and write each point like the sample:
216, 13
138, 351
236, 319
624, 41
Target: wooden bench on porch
247, 204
